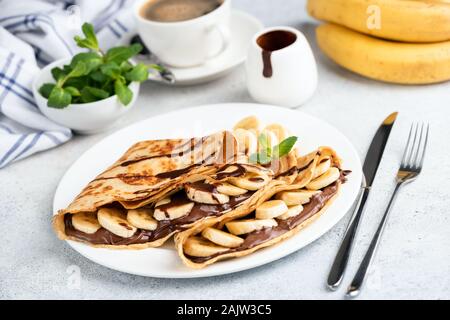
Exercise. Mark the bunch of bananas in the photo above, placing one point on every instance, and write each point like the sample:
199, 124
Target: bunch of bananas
399, 41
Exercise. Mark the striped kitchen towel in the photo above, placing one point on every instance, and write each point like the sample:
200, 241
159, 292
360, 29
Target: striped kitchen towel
34, 33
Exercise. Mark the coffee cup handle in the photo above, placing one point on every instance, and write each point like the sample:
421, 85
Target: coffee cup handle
224, 32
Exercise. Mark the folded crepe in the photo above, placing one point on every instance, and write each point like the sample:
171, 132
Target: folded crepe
146, 172
162, 187
278, 214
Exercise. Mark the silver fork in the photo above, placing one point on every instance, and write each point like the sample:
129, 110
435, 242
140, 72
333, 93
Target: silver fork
410, 168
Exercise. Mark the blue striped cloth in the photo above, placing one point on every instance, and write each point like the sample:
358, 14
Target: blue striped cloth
34, 33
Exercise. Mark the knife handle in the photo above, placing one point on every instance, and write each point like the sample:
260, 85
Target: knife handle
341, 260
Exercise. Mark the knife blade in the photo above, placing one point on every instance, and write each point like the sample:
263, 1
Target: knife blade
370, 167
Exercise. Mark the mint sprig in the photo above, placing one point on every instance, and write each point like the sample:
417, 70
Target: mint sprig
268, 154
95, 75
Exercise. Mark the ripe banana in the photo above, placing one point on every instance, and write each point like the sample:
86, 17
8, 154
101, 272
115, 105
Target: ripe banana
174, 212
280, 131
401, 20
222, 238
199, 247
247, 141
249, 225
250, 182
271, 209
293, 198
406, 63
115, 222
142, 218
86, 222
162, 202
230, 190
292, 212
204, 196
324, 180
321, 168
251, 123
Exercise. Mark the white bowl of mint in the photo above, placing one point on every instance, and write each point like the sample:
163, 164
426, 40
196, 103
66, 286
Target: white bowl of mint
92, 90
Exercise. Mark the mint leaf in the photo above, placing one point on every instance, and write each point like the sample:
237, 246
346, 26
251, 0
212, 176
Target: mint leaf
111, 69
253, 158
87, 96
99, 93
123, 92
267, 154
120, 54
284, 147
46, 89
263, 141
99, 76
58, 73
59, 98
74, 92
79, 82
79, 70
91, 59
90, 42
264, 158
125, 66
139, 73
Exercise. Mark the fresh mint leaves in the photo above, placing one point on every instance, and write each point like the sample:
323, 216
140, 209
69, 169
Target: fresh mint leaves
267, 154
94, 75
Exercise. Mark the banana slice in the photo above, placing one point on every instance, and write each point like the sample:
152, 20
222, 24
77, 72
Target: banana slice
230, 190
250, 182
142, 218
162, 202
280, 131
324, 180
173, 212
205, 193
271, 209
115, 222
222, 238
86, 222
321, 168
249, 123
199, 247
249, 225
292, 212
292, 198
247, 141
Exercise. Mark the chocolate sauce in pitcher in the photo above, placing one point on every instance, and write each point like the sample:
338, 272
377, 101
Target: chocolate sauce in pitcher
273, 41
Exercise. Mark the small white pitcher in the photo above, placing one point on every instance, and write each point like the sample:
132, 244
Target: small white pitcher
280, 67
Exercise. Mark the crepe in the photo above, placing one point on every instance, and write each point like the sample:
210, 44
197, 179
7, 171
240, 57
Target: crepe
148, 171
161, 187
280, 213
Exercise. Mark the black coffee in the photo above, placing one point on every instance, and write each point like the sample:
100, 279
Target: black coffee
178, 10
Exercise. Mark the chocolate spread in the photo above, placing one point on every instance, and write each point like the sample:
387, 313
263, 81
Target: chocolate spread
164, 228
256, 238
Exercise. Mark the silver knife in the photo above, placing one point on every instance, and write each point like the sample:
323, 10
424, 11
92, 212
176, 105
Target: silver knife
373, 158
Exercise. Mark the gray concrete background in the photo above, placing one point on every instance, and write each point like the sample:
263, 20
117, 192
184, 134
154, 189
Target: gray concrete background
414, 256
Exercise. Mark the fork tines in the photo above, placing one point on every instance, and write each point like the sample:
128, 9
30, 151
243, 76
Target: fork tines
416, 146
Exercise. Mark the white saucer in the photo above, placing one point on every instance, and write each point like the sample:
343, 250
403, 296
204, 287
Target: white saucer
242, 27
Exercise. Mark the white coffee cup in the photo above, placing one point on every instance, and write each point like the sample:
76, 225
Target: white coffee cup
293, 77
186, 43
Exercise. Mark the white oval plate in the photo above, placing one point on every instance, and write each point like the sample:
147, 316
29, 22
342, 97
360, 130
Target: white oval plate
163, 262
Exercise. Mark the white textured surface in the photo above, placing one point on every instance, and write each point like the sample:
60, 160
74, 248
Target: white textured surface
414, 256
